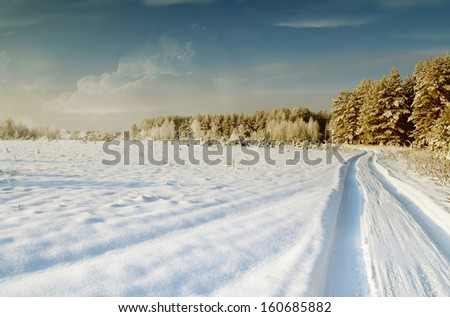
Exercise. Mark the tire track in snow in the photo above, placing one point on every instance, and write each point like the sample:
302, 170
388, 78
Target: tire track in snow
379, 241
340, 268
346, 274
406, 254
418, 206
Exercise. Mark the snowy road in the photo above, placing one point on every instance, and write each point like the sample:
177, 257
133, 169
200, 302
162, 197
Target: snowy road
412, 252
384, 244
70, 226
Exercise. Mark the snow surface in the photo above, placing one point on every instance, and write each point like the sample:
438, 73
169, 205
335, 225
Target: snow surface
70, 226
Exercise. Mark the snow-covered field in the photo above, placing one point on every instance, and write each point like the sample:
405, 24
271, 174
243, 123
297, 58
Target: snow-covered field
71, 226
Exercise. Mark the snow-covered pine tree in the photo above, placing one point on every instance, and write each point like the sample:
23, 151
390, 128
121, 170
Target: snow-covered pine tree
384, 112
440, 132
259, 124
391, 99
341, 127
432, 97
363, 99
408, 88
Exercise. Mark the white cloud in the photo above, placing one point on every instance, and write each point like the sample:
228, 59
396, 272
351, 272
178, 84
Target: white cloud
135, 91
164, 80
166, 3
156, 80
324, 23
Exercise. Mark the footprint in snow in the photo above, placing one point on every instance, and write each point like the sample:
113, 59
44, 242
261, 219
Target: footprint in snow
174, 183
117, 204
149, 199
94, 220
7, 240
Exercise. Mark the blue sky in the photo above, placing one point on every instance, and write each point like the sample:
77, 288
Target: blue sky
104, 64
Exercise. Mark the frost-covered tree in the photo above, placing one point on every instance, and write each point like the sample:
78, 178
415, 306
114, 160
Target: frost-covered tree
392, 111
347, 113
340, 118
313, 129
134, 131
363, 99
7, 129
384, 112
162, 130
277, 129
440, 132
196, 127
432, 97
15, 130
408, 88
284, 123
391, 100
167, 130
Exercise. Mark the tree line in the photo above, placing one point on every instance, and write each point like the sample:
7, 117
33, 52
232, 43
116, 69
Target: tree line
15, 130
395, 111
296, 124
11, 130
281, 124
